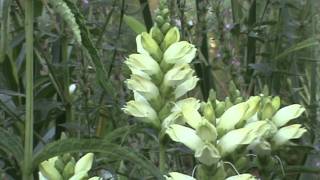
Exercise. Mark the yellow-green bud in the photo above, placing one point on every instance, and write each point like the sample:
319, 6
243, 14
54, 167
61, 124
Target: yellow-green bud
171, 37
276, 103
143, 86
165, 27
208, 112
212, 97
159, 20
220, 108
59, 164
228, 102
267, 111
49, 171
156, 34
68, 170
146, 44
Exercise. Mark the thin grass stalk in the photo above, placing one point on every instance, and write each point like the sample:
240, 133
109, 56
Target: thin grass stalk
28, 146
4, 28
251, 47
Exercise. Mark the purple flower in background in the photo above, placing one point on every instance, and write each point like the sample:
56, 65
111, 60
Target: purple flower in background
85, 2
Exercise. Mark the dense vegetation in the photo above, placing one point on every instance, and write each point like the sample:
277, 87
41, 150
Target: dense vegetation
156, 89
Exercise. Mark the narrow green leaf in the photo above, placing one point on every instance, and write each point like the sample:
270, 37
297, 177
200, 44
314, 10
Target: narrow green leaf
313, 41
134, 24
11, 144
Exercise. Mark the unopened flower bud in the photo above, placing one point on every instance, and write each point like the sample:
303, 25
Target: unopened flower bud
159, 20
147, 45
165, 27
84, 163
68, 170
208, 112
171, 37
266, 112
276, 102
48, 170
144, 63
156, 34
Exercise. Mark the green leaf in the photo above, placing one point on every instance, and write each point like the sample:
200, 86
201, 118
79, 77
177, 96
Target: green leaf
11, 144
134, 24
95, 145
313, 41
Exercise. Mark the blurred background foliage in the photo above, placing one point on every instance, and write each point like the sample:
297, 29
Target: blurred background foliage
265, 46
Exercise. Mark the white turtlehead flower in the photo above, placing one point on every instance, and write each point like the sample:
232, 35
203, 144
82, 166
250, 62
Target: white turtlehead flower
233, 139
144, 63
287, 113
72, 88
185, 86
186, 136
253, 106
178, 176
206, 131
142, 110
79, 175
180, 52
232, 116
143, 86
261, 128
177, 75
242, 177
287, 133
189, 109
208, 154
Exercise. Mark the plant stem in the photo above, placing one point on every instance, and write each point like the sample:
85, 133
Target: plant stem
162, 156
28, 146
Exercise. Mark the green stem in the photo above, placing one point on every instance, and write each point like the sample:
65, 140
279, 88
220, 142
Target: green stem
162, 156
28, 147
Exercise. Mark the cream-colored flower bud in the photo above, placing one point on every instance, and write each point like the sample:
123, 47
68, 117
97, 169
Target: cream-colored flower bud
142, 110
172, 36
253, 103
242, 177
143, 63
260, 128
165, 27
233, 139
178, 176
206, 131
143, 86
208, 155
147, 45
285, 114
186, 136
231, 117
48, 170
180, 52
84, 163
287, 133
